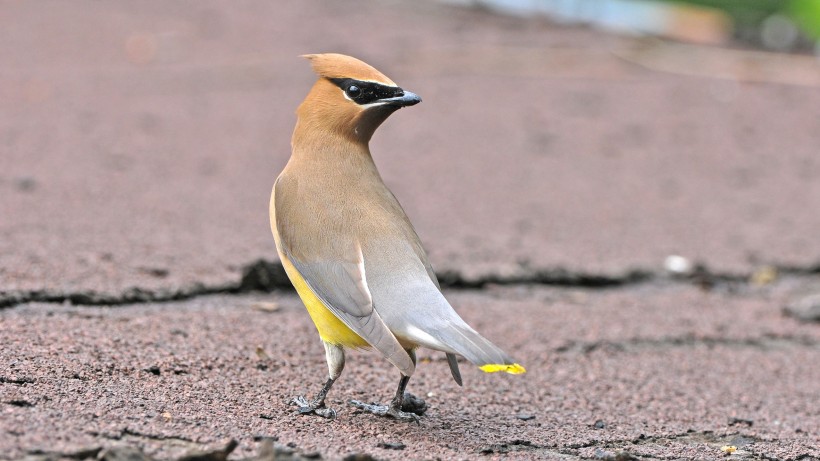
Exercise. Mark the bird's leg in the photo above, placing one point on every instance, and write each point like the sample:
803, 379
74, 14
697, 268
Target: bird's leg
404, 407
409, 402
335, 363
317, 406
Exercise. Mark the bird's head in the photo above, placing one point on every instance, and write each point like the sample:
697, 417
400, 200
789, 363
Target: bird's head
351, 98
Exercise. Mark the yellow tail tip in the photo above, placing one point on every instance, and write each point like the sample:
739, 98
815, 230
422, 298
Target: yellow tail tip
514, 369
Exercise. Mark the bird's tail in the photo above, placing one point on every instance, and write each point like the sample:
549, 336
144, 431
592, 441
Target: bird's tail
490, 358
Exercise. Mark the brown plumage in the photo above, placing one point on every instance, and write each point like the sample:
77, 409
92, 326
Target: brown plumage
348, 246
333, 65
325, 112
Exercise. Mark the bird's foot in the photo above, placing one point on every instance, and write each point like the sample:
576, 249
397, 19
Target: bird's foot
411, 408
315, 408
385, 410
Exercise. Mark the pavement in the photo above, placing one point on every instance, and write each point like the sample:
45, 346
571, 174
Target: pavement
550, 171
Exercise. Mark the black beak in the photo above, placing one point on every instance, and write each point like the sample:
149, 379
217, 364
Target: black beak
408, 99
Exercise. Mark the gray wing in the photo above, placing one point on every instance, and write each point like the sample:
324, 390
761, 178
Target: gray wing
452, 360
341, 284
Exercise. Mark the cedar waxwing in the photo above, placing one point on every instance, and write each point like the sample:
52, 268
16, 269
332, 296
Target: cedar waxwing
349, 248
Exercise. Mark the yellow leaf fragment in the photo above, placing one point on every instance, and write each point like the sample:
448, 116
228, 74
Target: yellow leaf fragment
265, 306
764, 275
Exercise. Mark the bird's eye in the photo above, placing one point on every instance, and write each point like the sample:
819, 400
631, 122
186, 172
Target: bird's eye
353, 91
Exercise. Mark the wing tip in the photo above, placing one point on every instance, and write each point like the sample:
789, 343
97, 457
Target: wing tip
511, 368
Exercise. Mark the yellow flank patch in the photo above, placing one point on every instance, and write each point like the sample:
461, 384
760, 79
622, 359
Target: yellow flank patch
331, 329
514, 369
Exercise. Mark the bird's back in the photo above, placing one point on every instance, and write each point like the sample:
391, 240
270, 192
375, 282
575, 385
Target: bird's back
316, 203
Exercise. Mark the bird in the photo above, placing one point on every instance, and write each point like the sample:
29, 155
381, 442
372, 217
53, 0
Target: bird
350, 250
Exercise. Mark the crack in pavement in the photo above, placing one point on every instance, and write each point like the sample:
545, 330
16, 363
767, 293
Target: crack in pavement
267, 276
605, 450
624, 449
743, 444
261, 275
130, 432
766, 342
527, 446
546, 276
268, 451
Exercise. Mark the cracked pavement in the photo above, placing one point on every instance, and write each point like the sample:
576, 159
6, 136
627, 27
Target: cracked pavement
623, 370
144, 314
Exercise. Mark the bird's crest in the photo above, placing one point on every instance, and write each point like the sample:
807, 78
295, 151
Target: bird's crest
333, 65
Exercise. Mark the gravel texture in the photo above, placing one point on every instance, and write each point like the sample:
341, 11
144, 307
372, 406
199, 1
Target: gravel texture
665, 372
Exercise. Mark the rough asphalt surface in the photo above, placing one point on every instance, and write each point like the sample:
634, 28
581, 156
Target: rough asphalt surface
139, 144
666, 372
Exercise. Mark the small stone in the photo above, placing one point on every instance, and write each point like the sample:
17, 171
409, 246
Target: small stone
525, 416
600, 453
806, 308
741, 441
413, 404
599, 424
678, 265
741, 421
279, 449
153, 369
392, 445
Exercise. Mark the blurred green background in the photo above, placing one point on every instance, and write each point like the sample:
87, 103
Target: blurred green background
776, 25
751, 17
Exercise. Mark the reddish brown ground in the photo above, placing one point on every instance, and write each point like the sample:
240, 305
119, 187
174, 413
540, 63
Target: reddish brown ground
139, 142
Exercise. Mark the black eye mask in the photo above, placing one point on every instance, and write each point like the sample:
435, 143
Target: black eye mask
366, 92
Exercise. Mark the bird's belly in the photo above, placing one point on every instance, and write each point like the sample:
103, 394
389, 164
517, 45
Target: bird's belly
331, 329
